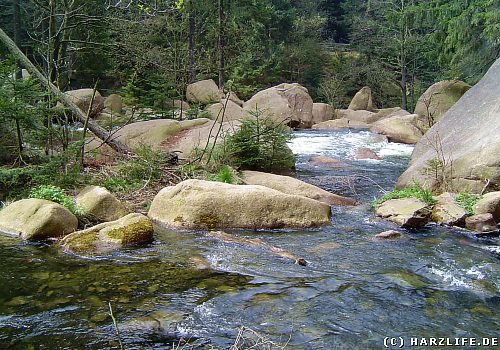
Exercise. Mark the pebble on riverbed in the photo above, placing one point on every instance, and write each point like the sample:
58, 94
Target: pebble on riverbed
388, 234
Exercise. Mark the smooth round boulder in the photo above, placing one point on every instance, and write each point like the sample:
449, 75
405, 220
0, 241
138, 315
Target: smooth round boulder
439, 98
290, 185
357, 116
210, 205
366, 153
203, 91
327, 162
285, 103
402, 129
114, 103
226, 111
129, 230
37, 219
489, 203
363, 100
388, 234
98, 203
481, 223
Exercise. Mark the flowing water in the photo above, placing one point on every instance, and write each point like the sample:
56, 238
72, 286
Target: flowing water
434, 282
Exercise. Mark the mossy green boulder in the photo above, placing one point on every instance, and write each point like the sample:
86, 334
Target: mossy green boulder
37, 219
211, 205
99, 204
129, 230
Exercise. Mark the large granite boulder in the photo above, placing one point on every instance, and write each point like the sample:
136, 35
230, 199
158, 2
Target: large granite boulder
342, 123
37, 219
481, 223
322, 112
290, 185
284, 103
82, 98
402, 129
154, 132
439, 98
226, 111
363, 100
405, 212
129, 230
98, 203
390, 112
210, 205
446, 211
358, 115
489, 203
467, 139
204, 92
114, 103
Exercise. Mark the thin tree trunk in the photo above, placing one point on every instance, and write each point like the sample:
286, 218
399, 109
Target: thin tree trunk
19, 70
221, 45
191, 42
93, 127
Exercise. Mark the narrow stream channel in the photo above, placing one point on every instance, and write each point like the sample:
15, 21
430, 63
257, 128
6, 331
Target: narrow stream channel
435, 282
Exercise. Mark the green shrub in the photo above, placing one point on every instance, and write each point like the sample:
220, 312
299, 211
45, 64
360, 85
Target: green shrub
260, 144
407, 192
467, 201
225, 174
57, 195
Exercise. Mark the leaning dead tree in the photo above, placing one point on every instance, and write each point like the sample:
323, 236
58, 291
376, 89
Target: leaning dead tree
80, 115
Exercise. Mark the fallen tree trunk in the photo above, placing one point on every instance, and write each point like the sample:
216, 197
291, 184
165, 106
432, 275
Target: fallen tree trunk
93, 127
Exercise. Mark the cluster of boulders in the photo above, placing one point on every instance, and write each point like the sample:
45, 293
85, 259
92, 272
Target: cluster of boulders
414, 213
264, 201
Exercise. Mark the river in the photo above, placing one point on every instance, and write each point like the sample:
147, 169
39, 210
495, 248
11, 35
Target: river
434, 282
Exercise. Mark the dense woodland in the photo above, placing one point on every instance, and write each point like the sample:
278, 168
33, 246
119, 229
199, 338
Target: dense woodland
148, 51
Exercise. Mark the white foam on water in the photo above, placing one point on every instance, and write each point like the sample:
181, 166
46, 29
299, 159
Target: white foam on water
450, 278
343, 144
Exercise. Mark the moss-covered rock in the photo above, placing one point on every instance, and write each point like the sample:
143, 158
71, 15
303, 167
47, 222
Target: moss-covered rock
98, 203
210, 205
37, 219
129, 230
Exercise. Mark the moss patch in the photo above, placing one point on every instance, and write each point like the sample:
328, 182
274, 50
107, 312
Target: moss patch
209, 221
137, 232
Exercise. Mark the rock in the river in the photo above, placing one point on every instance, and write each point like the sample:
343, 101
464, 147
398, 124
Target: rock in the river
363, 100
82, 98
447, 212
390, 112
467, 137
406, 212
322, 112
481, 223
287, 103
366, 153
323, 161
362, 116
98, 203
403, 129
342, 123
226, 111
489, 203
114, 103
129, 230
204, 92
290, 185
210, 205
388, 234
37, 219
439, 98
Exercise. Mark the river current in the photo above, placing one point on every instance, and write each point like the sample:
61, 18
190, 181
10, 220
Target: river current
434, 282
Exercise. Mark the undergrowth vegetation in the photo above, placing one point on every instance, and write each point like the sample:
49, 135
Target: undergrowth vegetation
414, 191
57, 195
467, 201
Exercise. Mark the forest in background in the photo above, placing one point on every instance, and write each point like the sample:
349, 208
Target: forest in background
148, 51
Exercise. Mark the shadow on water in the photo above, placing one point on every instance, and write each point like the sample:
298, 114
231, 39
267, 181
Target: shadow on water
356, 290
